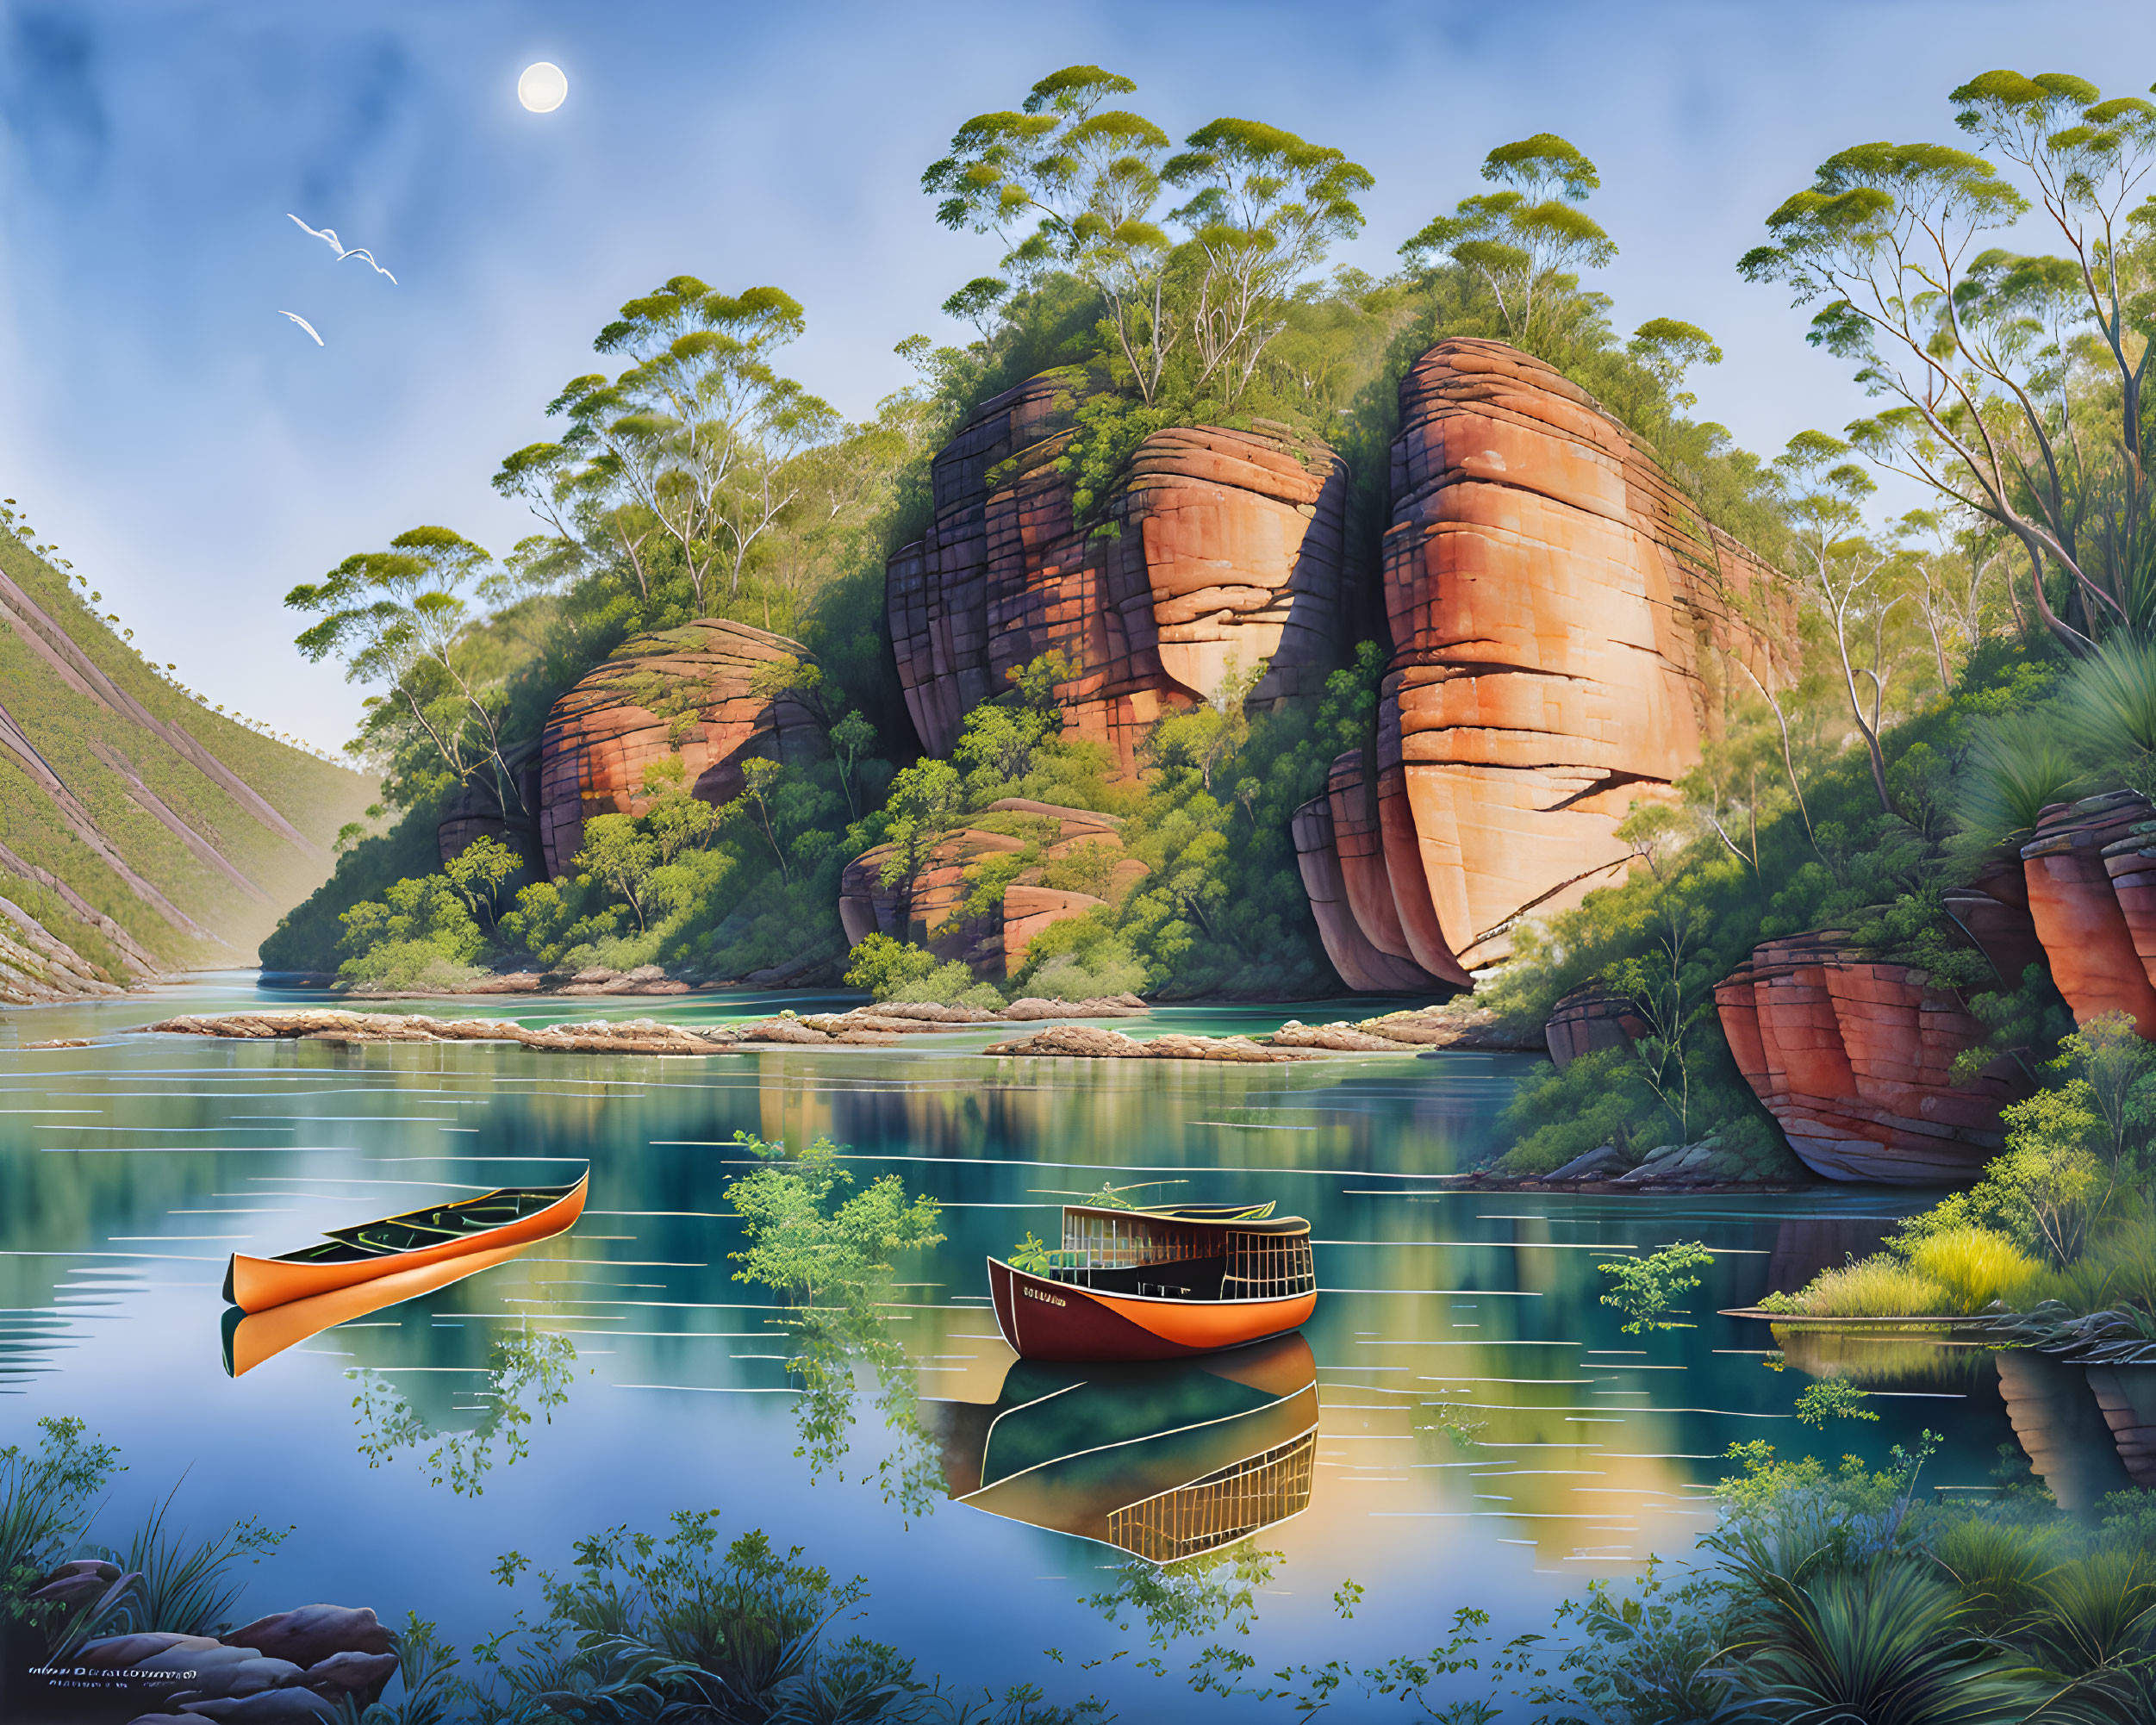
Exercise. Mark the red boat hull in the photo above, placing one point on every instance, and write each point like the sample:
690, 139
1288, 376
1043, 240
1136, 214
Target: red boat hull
1050, 1320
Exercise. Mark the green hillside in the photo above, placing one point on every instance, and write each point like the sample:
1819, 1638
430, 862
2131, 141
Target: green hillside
139, 830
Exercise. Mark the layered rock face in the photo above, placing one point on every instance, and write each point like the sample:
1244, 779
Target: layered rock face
1226, 547
1587, 1020
1341, 860
927, 909
2102, 961
1853, 1059
1550, 595
689, 691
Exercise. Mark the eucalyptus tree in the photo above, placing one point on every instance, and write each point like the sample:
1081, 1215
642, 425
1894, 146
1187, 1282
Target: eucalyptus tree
1069, 182
2005, 369
1265, 207
695, 447
403, 616
1850, 580
1527, 242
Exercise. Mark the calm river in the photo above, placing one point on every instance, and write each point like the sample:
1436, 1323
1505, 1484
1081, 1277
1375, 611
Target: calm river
1484, 1434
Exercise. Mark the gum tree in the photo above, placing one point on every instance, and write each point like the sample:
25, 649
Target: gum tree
1527, 242
2003, 370
695, 446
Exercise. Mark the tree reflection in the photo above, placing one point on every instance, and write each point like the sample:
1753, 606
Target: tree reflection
528, 1373
827, 1256
1212, 1595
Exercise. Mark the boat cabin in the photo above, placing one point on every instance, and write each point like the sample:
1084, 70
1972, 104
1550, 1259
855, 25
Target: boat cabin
1194, 1252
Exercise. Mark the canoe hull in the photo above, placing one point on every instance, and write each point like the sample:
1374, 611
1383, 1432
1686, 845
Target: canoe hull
258, 1284
1050, 1320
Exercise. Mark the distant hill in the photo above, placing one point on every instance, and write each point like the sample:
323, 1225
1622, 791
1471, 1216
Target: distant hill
139, 832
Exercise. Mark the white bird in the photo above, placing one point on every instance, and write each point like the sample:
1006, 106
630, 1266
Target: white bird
328, 237
302, 323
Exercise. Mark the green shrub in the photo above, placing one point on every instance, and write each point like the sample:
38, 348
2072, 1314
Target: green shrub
882, 965
1560, 1115
1880, 1286
421, 934
1975, 1266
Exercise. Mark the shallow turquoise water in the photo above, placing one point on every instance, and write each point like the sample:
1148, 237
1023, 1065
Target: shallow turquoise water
1485, 1436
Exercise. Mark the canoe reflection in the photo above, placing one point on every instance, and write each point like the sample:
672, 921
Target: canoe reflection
251, 1338
1164, 1460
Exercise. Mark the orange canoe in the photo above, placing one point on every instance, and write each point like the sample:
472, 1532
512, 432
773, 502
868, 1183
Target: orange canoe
412, 1239
1160, 1283
251, 1337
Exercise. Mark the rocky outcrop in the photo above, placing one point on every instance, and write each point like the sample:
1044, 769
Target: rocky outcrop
1552, 598
1342, 859
1586, 1019
1854, 1060
1087, 1042
1222, 547
297, 1666
928, 909
2075, 905
692, 692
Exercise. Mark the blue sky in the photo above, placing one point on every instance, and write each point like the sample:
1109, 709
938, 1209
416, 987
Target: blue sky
195, 454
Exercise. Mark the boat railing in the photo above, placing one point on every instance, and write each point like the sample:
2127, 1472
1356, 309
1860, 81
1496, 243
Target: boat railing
1221, 1508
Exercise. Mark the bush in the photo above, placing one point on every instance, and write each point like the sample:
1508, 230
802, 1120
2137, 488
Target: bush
1560, 1115
1975, 1266
1881, 1287
420, 935
881, 966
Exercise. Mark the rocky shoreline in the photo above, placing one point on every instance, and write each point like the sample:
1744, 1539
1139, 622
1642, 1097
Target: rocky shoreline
882, 1025
319, 1664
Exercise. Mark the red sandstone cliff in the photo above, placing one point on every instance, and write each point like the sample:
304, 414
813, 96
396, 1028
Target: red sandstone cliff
688, 691
2079, 904
1550, 595
1226, 545
1853, 1059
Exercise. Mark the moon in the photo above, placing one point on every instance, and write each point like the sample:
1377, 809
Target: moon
543, 88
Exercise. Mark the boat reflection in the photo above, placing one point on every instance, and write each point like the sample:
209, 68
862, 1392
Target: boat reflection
1165, 1459
251, 1337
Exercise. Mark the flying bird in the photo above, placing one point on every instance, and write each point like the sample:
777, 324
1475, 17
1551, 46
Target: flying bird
302, 323
328, 237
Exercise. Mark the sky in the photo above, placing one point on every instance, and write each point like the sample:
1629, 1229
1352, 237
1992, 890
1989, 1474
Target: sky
195, 455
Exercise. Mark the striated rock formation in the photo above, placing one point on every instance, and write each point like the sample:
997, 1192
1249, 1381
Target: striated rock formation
926, 910
1586, 1019
1551, 595
1853, 1059
2077, 911
689, 691
1226, 545
1342, 857
2131, 863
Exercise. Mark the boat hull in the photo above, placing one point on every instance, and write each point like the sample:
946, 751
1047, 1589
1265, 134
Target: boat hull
1042, 1319
258, 1284
253, 1337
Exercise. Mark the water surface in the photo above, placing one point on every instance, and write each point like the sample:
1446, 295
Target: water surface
1485, 1436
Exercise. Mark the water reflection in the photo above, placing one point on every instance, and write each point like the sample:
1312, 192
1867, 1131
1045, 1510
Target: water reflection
251, 1338
527, 1373
1168, 1461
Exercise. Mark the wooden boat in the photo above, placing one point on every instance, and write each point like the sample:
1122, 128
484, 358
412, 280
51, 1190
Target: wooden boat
1165, 1460
1158, 1283
513, 1216
250, 1338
